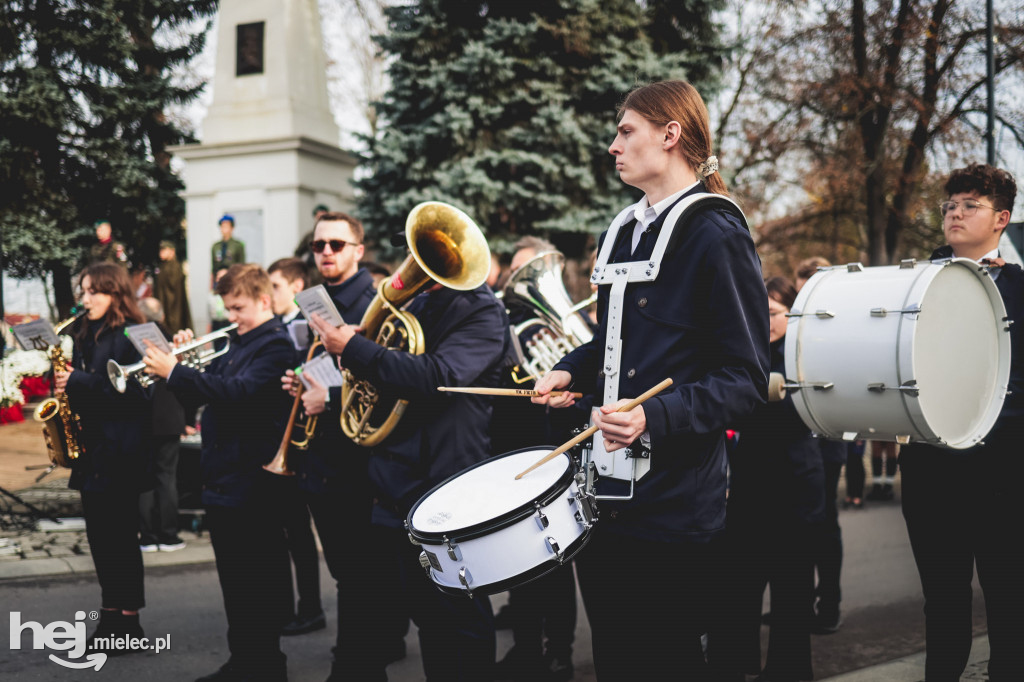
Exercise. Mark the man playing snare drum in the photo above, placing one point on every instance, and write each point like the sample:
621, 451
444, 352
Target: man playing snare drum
962, 506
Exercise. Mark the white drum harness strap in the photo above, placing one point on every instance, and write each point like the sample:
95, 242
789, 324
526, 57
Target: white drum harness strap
623, 464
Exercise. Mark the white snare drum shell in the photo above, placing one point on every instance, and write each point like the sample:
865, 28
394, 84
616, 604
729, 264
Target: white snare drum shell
483, 531
917, 352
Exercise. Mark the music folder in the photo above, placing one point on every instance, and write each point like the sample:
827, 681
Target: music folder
35, 335
316, 300
138, 334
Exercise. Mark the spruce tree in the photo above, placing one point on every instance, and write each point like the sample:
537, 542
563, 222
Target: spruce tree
84, 87
506, 109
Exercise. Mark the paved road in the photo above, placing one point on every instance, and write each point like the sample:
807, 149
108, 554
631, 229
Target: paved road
882, 612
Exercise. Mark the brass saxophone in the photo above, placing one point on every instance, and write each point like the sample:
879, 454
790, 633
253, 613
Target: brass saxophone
61, 426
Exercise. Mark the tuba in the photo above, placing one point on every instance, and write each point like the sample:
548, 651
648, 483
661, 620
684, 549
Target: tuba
535, 292
447, 248
61, 427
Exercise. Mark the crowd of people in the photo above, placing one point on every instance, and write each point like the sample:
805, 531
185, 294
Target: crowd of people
674, 573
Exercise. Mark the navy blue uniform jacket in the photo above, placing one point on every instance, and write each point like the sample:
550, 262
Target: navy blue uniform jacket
704, 324
115, 426
331, 460
996, 465
243, 422
441, 433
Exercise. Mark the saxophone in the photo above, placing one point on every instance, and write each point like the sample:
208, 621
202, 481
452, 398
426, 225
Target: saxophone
61, 426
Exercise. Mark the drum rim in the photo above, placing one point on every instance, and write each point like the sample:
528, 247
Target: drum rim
538, 571
502, 521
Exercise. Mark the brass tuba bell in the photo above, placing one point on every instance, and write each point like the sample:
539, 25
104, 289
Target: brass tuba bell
535, 292
446, 248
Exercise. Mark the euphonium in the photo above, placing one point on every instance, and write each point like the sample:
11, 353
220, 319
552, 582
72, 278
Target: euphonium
446, 247
61, 426
535, 291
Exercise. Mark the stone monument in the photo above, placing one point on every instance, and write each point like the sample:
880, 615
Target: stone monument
269, 150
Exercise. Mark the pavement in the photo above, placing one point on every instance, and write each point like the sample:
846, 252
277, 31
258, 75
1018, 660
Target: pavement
33, 547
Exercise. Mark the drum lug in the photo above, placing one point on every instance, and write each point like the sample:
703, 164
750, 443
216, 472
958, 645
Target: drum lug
855, 267
425, 561
542, 520
555, 549
411, 538
816, 385
908, 264
910, 388
820, 314
915, 309
454, 553
903, 440
465, 578
585, 512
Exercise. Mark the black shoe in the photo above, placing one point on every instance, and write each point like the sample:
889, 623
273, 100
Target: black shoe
301, 625
558, 668
115, 627
826, 623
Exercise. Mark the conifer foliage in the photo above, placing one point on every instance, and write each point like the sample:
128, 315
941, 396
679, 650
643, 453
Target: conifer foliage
84, 90
506, 109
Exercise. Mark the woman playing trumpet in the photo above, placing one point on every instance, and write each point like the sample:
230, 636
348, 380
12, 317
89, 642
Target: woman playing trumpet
116, 464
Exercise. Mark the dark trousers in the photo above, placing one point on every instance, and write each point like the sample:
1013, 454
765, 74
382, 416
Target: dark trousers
456, 633
778, 556
647, 604
829, 549
302, 547
545, 606
158, 508
343, 524
958, 517
111, 525
255, 580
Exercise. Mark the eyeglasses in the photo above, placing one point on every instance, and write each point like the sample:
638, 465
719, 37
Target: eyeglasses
337, 245
970, 207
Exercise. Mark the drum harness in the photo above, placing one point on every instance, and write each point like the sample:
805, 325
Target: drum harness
628, 464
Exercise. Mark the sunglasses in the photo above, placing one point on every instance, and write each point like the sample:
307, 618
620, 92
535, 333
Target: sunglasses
337, 245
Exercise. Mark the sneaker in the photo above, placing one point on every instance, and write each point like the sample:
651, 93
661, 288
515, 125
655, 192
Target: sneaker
147, 548
300, 625
172, 547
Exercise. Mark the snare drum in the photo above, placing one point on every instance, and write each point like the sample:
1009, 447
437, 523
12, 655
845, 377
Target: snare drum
482, 531
912, 352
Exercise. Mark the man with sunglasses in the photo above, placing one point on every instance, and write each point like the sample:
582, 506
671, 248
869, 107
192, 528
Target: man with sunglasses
962, 507
331, 473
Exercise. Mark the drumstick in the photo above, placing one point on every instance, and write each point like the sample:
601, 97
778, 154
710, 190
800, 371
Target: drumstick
481, 390
649, 393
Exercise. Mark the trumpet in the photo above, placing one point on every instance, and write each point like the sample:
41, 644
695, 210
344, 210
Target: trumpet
189, 355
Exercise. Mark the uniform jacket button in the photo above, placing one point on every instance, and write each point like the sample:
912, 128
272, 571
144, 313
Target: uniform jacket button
631, 373
642, 302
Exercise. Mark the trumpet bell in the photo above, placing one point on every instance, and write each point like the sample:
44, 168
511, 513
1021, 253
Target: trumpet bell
118, 376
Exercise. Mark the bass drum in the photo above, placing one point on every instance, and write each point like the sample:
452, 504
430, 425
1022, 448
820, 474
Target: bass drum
917, 352
482, 531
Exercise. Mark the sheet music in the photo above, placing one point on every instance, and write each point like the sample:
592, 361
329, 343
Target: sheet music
323, 369
35, 335
298, 330
140, 333
316, 300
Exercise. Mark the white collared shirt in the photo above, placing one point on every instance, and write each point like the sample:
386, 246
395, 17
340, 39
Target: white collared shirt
646, 214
